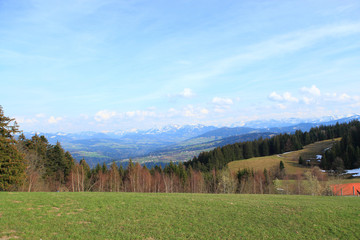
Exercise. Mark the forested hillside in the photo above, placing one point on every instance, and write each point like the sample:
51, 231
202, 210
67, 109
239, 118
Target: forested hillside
219, 157
346, 153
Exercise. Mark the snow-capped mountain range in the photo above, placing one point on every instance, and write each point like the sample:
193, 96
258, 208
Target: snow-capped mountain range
184, 132
175, 132
271, 123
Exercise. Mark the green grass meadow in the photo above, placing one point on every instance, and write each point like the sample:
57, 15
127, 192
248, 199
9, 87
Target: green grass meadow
176, 216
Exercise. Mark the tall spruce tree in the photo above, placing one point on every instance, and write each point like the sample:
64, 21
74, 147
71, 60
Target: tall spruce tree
12, 165
58, 164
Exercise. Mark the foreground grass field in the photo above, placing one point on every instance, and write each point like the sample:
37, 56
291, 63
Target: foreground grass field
176, 216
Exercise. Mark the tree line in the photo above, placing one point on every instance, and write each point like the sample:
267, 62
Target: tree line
35, 165
346, 153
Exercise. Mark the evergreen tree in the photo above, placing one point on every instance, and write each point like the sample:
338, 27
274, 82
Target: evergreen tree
97, 168
12, 165
276, 145
281, 166
56, 163
70, 163
301, 161
248, 150
104, 168
121, 172
86, 167
264, 147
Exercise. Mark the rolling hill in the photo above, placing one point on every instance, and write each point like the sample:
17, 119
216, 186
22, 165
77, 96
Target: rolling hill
290, 159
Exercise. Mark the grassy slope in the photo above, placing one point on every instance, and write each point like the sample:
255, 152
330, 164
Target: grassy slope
176, 216
290, 159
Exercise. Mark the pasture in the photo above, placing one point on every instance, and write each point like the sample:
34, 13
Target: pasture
176, 216
289, 159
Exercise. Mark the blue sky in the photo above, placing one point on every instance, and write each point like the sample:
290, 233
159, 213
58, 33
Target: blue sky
76, 65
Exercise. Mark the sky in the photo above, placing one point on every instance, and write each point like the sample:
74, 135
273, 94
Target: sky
109, 65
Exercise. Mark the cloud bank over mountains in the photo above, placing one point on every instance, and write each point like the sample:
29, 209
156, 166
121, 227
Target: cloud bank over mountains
288, 103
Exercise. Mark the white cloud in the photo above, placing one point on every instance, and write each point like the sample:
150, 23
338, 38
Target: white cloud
344, 97
313, 96
307, 100
189, 112
140, 114
187, 93
22, 120
222, 101
172, 112
329, 96
36, 119
313, 90
104, 115
275, 97
40, 115
194, 112
281, 106
54, 120
222, 104
130, 114
286, 97
204, 111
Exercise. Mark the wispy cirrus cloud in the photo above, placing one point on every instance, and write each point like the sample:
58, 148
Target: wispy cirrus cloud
282, 44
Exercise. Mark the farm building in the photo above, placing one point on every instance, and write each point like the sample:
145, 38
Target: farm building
348, 189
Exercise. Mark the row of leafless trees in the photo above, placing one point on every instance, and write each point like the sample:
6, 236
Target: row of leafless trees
137, 178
